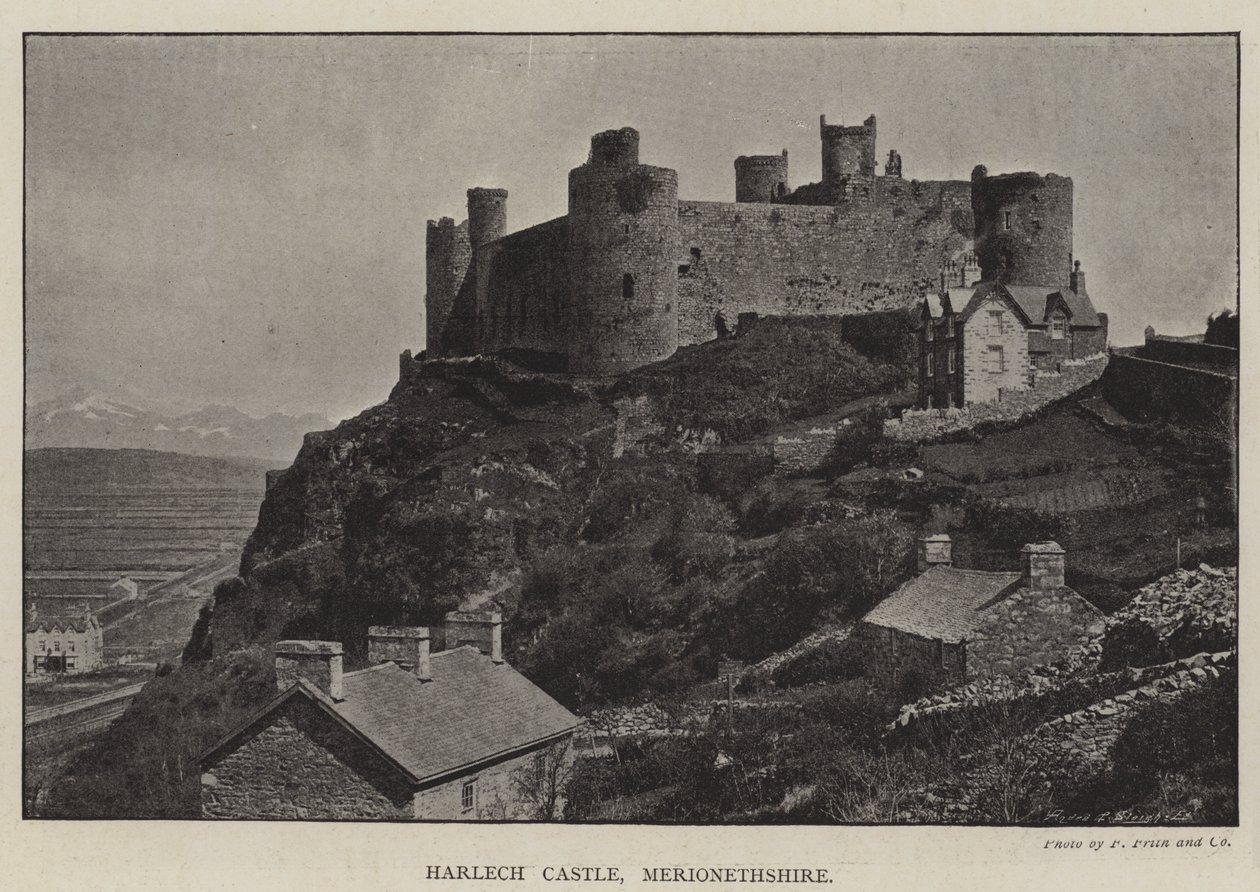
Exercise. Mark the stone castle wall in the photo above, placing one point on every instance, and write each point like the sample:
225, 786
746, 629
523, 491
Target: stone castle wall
522, 290
1023, 227
792, 260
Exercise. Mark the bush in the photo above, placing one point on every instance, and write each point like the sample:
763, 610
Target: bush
830, 661
699, 542
1200, 725
1132, 643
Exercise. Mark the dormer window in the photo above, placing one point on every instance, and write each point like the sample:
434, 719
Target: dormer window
1058, 327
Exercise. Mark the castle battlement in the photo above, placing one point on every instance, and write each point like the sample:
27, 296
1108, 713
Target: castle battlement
633, 271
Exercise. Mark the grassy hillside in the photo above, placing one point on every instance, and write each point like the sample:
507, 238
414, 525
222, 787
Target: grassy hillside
620, 578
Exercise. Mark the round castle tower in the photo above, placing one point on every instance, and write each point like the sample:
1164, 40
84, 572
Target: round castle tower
623, 258
761, 178
487, 215
447, 255
1023, 227
847, 152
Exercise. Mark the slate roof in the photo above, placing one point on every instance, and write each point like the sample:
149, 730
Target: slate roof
944, 602
957, 297
63, 624
1034, 302
472, 709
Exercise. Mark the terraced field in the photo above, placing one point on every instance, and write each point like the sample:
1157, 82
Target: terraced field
84, 529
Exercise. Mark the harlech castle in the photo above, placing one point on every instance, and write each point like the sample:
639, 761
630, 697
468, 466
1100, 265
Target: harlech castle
632, 272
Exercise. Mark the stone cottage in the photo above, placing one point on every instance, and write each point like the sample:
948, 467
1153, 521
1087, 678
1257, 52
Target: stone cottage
68, 644
976, 341
456, 735
949, 626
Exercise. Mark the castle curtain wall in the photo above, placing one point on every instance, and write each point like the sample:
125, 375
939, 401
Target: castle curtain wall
855, 257
523, 290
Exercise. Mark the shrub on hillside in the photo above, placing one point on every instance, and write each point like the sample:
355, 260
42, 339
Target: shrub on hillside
817, 574
830, 661
699, 542
1200, 725
1132, 643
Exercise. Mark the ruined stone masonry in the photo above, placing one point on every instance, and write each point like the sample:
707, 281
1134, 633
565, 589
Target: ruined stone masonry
634, 271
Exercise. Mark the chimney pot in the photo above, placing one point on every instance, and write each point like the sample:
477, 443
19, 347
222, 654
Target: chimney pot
318, 662
408, 646
936, 550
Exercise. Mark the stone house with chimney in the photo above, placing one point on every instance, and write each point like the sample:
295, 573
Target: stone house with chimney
979, 340
69, 644
456, 735
950, 626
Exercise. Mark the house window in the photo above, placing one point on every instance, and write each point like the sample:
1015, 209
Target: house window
931, 365
43, 645
996, 324
57, 647
1058, 325
997, 359
70, 647
1007, 221
929, 331
627, 286
950, 360
949, 326
468, 795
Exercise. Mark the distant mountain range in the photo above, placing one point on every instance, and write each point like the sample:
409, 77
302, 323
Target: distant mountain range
82, 419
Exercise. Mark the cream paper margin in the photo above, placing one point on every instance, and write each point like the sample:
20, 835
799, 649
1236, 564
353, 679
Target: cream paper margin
194, 855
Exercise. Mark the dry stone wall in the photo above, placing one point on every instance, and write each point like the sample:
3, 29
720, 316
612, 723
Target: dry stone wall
920, 425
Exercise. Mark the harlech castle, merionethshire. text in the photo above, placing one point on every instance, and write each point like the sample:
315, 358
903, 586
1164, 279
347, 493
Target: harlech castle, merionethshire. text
633, 272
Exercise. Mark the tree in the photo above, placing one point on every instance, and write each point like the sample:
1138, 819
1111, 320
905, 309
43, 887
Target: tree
541, 782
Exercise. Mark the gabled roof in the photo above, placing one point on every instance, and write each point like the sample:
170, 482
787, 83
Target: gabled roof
1033, 303
472, 710
937, 304
63, 624
944, 602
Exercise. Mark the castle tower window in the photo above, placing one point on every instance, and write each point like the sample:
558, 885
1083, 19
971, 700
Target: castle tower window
1007, 220
1058, 326
627, 286
695, 252
782, 190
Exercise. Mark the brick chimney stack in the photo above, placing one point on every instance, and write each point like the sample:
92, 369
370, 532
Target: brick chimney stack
318, 662
1043, 566
936, 550
408, 646
483, 629
1077, 279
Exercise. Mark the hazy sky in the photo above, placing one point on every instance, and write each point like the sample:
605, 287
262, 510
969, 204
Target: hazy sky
241, 220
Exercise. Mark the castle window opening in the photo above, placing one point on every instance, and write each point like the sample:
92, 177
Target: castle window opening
695, 253
626, 228
782, 190
1057, 327
627, 286
1007, 220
